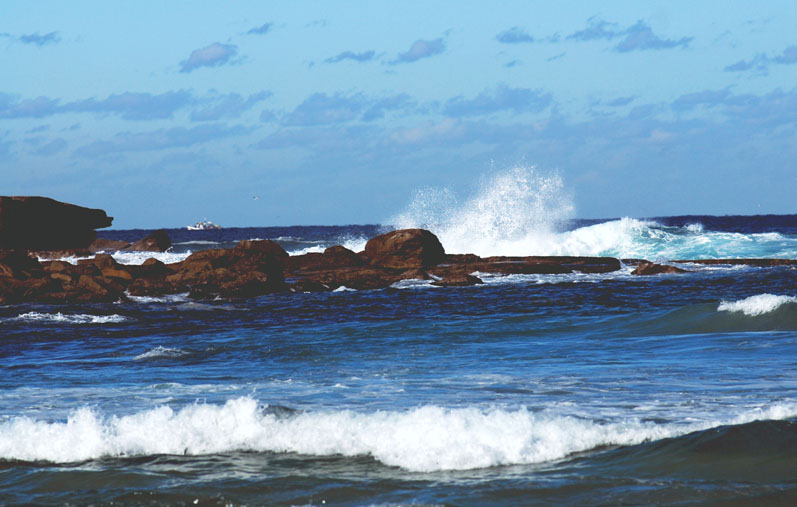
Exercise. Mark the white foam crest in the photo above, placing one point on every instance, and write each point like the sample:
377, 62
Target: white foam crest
516, 212
198, 242
168, 298
355, 244
80, 318
161, 351
754, 306
138, 258
424, 439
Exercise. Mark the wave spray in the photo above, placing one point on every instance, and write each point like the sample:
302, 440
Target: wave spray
515, 212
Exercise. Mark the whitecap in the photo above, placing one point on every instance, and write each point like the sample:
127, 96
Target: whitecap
168, 298
160, 351
138, 258
754, 306
80, 318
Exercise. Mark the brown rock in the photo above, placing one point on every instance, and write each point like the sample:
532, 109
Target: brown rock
305, 285
63, 277
650, 268
405, 248
153, 268
458, 281
342, 257
362, 278
154, 287
107, 245
118, 274
58, 266
40, 223
16, 263
157, 241
414, 274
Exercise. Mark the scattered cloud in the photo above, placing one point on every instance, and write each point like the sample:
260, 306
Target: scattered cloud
514, 35
596, 29
556, 57
502, 98
377, 110
161, 139
421, 49
621, 101
135, 106
27, 108
787, 57
323, 109
231, 105
40, 40
365, 56
637, 37
513, 63
761, 62
51, 148
707, 98
210, 56
640, 36
260, 30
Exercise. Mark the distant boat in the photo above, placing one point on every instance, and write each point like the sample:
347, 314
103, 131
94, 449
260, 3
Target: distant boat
204, 225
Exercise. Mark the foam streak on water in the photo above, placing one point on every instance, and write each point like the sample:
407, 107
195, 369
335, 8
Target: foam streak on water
71, 318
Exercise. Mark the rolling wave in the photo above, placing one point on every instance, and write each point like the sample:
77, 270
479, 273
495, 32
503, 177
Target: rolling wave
759, 304
425, 439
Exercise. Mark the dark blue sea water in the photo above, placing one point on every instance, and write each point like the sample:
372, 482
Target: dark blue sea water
530, 389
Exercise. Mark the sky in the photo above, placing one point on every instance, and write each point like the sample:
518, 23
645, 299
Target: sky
298, 112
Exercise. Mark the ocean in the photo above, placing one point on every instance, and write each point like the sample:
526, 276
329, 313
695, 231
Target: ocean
530, 389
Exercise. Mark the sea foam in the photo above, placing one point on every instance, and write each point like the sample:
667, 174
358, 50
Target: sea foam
425, 439
80, 318
760, 304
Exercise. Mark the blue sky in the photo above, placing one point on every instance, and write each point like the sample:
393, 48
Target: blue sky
163, 113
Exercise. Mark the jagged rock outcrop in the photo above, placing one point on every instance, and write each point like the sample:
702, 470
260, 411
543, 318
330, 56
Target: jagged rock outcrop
41, 223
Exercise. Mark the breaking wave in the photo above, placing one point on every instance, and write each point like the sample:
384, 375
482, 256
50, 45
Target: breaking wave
758, 305
424, 439
521, 212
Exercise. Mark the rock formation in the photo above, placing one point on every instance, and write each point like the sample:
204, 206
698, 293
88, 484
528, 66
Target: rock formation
256, 268
41, 223
404, 249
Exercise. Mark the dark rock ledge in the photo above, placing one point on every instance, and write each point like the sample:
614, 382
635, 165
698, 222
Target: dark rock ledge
255, 268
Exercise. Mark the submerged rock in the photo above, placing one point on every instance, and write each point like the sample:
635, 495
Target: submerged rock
651, 268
